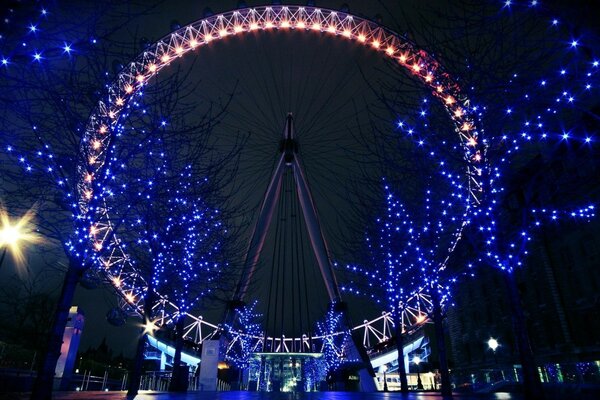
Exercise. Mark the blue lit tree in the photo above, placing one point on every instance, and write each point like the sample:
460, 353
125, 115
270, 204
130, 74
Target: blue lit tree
531, 78
244, 335
334, 342
406, 269
52, 75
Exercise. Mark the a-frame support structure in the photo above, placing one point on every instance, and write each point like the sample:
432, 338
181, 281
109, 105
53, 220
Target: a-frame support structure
289, 159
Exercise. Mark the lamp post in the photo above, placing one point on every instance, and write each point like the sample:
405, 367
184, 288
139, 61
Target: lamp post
385, 386
13, 234
493, 345
417, 361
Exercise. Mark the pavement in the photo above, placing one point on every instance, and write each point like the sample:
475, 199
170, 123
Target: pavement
234, 395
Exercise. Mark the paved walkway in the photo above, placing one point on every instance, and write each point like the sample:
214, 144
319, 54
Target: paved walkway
146, 395
552, 393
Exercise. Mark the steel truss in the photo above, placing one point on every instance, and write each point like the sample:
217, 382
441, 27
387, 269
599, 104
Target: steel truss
96, 143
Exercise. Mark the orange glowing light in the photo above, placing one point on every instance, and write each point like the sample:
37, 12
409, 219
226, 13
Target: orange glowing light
362, 37
128, 88
13, 234
346, 33
301, 25
376, 44
103, 129
193, 43
428, 78
152, 67
119, 101
285, 24
390, 51
238, 28
331, 29
416, 67
449, 100
316, 26
140, 78
98, 246
165, 58
253, 26
223, 32
178, 50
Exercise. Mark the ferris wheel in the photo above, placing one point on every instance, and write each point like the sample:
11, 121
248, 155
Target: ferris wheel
252, 24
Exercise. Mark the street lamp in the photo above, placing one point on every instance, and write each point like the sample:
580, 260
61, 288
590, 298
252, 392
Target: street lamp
417, 361
385, 386
493, 345
14, 233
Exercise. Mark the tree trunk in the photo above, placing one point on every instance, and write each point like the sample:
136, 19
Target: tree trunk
136, 369
176, 377
532, 386
438, 321
44, 382
135, 374
400, 347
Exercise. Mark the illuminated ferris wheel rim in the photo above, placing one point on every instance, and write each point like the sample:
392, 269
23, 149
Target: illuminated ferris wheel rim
96, 140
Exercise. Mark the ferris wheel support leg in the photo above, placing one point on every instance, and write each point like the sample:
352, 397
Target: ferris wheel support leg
261, 228
314, 232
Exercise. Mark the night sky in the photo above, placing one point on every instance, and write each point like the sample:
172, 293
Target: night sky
334, 90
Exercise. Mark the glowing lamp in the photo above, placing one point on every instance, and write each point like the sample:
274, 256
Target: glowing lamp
375, 44
493, 344
362, 38
238, 28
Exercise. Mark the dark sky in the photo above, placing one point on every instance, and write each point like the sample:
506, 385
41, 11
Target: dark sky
326, 84
329, 86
